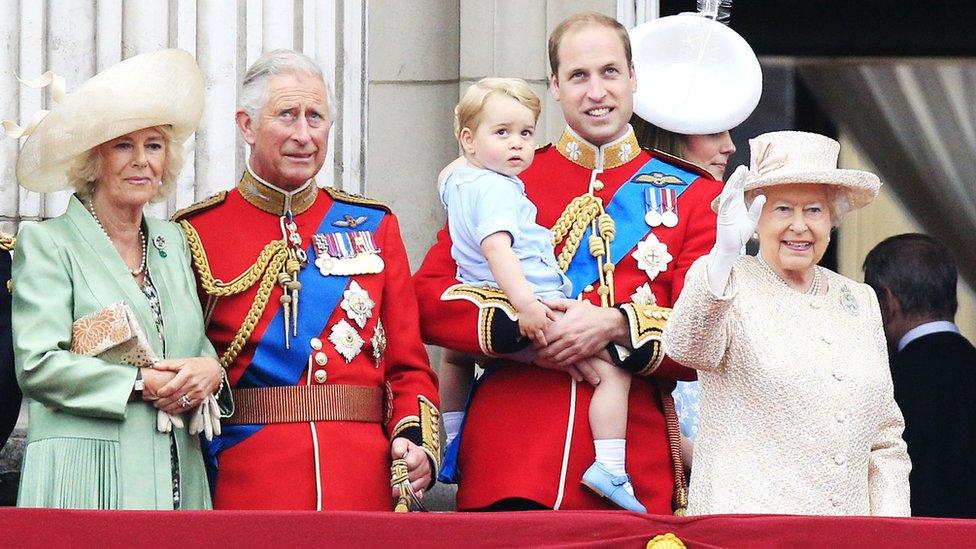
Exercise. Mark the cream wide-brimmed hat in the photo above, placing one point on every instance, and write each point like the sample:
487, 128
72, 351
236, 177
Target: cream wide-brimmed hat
694, 75
163, 88
786, 158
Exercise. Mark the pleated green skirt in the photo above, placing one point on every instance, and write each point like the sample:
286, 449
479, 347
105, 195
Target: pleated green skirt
78, 462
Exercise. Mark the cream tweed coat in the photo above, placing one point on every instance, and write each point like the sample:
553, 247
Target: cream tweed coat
797, 410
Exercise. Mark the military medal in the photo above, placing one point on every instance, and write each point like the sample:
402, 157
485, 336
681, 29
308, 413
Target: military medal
357, 304
346, 340
347, 253
848, 301
669, 204
652, 256
378, 342
644, 295
652, 206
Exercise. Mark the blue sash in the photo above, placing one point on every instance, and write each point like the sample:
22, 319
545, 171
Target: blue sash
273, 365
627, 210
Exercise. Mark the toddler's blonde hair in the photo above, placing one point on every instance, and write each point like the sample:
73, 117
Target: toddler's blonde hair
467, 114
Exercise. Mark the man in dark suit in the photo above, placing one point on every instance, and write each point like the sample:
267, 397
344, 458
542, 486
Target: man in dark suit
933, 368
9, 391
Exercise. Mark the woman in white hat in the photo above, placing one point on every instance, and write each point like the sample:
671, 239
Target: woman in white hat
697, 79
89, 281
797, 410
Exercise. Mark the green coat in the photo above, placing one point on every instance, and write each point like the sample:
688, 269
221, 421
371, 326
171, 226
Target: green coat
88, 446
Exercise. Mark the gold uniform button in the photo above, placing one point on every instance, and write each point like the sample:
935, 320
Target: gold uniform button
321, 359
598, 185
588, 288
321, 376
316, 343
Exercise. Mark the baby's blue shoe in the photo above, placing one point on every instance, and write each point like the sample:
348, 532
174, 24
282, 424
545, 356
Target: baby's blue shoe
612, 487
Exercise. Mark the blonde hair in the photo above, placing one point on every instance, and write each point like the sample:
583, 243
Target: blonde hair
467, 114
83, 175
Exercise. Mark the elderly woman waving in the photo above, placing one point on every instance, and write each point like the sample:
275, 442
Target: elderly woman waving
797, 407
105, 315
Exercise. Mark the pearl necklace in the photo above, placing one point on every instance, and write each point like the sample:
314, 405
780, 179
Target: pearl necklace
814, 287
142, 239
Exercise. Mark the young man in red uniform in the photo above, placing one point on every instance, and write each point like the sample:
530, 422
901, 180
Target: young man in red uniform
628, 223
308, 296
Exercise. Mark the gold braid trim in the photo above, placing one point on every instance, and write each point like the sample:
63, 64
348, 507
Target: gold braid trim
571, 225
646, 324
430, 428
269, 263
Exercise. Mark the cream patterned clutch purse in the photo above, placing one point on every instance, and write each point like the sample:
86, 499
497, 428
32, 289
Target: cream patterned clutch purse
113, 335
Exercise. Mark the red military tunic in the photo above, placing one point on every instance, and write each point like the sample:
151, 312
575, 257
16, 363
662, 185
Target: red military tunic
517, 440
333, 464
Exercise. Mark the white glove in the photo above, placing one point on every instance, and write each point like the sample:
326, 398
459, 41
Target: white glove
452, 424
166, 422
735, 226
206, 418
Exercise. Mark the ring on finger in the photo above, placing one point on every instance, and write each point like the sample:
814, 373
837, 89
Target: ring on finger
185, 401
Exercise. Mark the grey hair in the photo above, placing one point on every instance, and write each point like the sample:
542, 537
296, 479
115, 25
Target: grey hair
838, 201
84, 173
254, 87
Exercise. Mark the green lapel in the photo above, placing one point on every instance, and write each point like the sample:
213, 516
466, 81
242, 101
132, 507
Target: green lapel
116, 274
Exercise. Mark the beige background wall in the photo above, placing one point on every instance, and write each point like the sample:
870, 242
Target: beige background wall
422, 55
863, 229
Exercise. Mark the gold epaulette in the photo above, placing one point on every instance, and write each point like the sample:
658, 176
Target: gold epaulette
7, 242
200, 206
349, 198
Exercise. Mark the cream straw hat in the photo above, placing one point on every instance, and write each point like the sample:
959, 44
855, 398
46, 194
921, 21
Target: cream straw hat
152, 89
785, 158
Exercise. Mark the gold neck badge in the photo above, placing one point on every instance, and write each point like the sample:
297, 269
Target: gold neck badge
583, 153
273, 200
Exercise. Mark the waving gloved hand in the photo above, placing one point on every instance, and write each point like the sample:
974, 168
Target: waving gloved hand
735, 226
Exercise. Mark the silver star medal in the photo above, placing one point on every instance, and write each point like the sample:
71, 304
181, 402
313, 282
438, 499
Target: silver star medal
378, 342
357, 304
346, 340
652, 256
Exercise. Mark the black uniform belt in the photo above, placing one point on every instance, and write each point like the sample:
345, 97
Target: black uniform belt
302, 403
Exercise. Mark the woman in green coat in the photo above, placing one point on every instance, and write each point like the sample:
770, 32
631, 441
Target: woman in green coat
104, 433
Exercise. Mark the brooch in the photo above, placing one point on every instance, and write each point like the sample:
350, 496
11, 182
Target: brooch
652, 256
848, 301
345, 340
159, 241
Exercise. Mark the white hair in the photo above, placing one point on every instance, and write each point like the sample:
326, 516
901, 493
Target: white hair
254, 87
838, 201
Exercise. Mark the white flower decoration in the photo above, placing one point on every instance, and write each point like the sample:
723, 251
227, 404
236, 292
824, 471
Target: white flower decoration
573, 149
652, 256
625, 150
643, 295
346, 340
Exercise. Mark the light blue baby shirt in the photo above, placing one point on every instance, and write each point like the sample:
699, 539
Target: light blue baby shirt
482, 202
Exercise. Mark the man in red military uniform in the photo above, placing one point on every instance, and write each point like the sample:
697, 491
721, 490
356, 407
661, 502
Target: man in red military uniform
308, 296
628, 223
